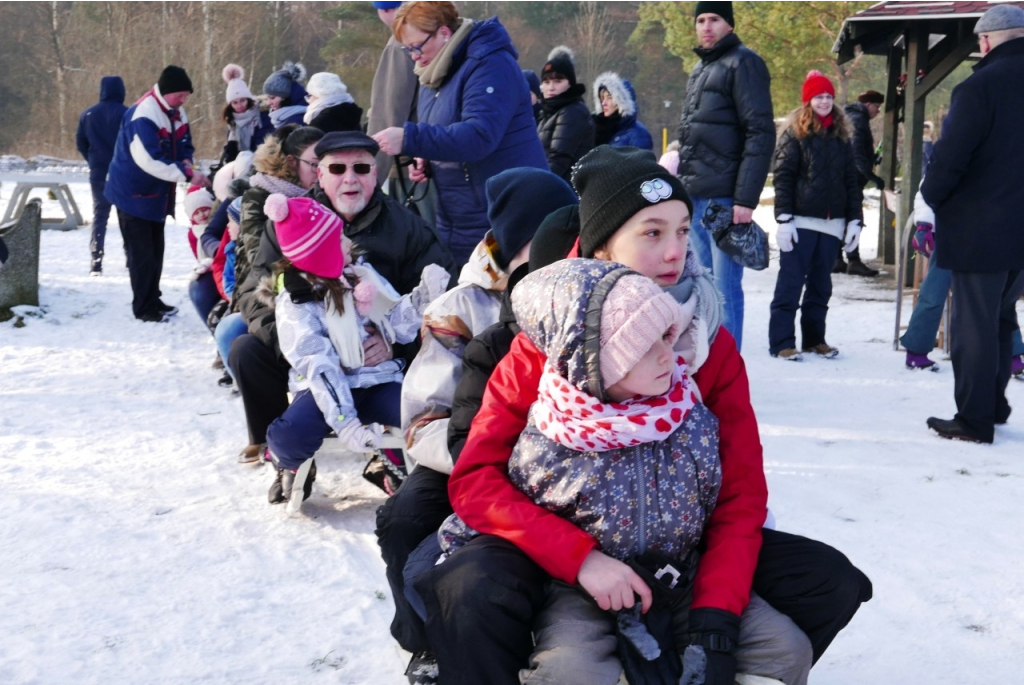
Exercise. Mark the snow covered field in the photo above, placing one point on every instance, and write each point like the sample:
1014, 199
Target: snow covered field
134, 549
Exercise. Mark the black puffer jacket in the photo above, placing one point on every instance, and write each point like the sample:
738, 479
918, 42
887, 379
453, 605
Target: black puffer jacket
566, 129
478, 361
727, 131
816, 177
863, 143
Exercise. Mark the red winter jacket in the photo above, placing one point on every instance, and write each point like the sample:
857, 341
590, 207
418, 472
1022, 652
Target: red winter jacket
217, 266
484, 497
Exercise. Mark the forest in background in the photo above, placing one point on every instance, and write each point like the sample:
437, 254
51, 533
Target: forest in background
56, 52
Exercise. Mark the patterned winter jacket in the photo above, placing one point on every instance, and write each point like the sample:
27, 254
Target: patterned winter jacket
654, 496
303, 335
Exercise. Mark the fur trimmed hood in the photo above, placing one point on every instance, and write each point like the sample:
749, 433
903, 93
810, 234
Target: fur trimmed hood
270, 159
621, 90
266, 291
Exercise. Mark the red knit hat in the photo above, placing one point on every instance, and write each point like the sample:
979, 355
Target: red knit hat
816, 84
309, 234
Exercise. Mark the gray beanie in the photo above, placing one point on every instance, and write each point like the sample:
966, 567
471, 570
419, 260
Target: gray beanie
1000, 18
280, 82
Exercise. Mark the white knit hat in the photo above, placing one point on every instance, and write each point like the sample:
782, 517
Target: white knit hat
237, 88
325, 84
197, 197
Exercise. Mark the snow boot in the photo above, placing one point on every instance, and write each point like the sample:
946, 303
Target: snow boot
281, 489
859, 268
824, 349
384, 471
917, 362
422, 669
789, 354
1017, 367
252, 454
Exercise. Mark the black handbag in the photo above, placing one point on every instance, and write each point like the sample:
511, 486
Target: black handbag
746, 244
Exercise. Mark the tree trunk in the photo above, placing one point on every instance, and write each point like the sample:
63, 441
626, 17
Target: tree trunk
62, 94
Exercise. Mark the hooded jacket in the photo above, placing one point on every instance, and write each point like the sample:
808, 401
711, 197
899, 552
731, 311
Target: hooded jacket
484, 497
99, 124
653, 496
566, 130
477, 123
727, 131
622, 128
863, 143
149, 159
449, 324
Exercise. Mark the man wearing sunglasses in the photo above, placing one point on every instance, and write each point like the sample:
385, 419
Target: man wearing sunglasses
393, 239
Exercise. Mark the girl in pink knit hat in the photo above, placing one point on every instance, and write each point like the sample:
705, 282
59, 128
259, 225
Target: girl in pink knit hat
326, 305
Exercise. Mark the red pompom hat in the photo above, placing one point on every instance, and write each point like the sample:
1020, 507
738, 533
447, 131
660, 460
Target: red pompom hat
816, 83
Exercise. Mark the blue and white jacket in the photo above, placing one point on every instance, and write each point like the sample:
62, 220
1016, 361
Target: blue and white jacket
149, 158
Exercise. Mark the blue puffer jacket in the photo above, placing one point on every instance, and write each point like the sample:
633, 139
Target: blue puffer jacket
625, 129
152, 146
477, 123
98, 125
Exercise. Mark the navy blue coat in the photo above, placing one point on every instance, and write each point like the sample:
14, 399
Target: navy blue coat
478, 123
98, 125
625, 130
973, 180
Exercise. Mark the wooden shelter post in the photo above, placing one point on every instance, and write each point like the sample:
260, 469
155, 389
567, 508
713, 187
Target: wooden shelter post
890, 162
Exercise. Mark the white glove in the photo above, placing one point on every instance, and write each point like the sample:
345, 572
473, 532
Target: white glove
359, 438
786, 237
204, 265
853, 229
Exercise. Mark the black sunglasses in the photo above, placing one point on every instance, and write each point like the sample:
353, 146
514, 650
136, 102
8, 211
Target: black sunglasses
361, 168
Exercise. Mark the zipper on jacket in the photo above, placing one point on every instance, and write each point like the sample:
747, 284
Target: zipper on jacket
641, 502
330, 389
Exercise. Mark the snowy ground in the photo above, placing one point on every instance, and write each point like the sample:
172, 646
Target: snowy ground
134, 549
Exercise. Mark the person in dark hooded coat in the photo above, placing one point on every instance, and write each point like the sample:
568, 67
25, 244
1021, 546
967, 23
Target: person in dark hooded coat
97, 135
565, 127
615, 114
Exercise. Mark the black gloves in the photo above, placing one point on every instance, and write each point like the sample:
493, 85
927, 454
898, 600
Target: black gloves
880, 184
709, 659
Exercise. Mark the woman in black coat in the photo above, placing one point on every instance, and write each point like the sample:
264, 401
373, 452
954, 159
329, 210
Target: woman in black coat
565, 126
817, 205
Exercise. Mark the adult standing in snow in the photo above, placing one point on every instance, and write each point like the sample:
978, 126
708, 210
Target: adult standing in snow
726, 140
153, 154
973, 184
475, 117
565, 128
615, 115
860, 114
96, 138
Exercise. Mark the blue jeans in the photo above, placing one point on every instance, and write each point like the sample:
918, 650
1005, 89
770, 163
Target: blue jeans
924, 321
204, 295
727, 273
229, 328
808, 268
298, 433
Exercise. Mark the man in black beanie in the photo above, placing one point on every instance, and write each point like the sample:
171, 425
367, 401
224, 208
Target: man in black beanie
152, 155
726, 141
860, 113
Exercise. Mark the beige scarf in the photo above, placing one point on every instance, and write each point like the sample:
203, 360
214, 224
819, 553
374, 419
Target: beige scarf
434, 73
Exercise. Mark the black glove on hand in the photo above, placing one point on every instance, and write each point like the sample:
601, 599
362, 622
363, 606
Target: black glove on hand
880, 184
709, 659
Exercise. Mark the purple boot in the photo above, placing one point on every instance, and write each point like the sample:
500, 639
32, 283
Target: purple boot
920, 361
1017, 366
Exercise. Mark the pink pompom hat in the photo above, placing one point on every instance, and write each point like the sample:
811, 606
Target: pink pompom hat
309, 234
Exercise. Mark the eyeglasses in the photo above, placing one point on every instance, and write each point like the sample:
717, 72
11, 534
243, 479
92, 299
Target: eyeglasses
314, 164
361, 168
413, 50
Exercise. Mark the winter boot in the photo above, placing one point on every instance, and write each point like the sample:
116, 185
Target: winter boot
1017, 367
96, 265
252, 454
840, 266
859, 268
920, 361
824, 349
225, 381
384, 472
789, 354
281, 489
422, 669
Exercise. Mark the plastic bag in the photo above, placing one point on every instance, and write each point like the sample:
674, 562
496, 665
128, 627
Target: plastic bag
746, 244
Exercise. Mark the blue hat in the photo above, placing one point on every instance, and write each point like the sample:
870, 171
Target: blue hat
518, 201
235, 210
533, 81
387, 5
